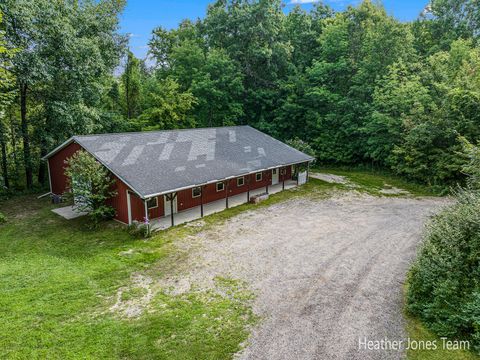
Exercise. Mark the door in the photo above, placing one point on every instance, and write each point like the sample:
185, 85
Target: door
168, 208
274, 176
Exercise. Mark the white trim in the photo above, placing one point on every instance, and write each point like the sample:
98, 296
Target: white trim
58, 148
147, 218
223, 186
153, 207
243, 181
49, 176
129, 207
200, 194
256, 176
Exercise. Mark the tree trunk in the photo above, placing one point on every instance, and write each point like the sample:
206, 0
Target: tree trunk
27, 156
4, 159
13, 135
42, 169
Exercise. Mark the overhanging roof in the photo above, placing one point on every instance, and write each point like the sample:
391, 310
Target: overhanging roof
157, 162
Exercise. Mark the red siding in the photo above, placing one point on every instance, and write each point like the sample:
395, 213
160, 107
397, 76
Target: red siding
158, 211
57, 165
287, 175
186, 201
266, 180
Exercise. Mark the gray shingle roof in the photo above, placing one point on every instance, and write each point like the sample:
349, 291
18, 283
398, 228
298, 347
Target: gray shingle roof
160, 161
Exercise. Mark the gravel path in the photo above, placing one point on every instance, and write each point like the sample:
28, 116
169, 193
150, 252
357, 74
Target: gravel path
325, 272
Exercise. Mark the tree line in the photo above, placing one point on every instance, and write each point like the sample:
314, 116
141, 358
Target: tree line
357, 86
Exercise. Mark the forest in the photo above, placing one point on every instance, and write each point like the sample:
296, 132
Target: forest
356, 87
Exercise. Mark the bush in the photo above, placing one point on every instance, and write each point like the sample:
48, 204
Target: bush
139, 229
91, 185
3, 218
444, 282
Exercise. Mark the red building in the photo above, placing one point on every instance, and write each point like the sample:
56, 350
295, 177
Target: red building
164, 172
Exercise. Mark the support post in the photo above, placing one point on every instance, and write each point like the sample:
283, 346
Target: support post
297, 171
226, 189
172, 197
147, 221
248, 187
201, 201
308, 171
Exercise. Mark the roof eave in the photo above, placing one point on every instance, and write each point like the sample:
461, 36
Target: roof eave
58, 148
218, 180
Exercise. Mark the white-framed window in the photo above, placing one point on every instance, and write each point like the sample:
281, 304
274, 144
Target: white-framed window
258, 176
196, 192
152, 203
283, 171
240, 181
220, 186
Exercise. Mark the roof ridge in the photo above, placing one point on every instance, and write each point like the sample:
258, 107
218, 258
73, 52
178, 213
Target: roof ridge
159, 131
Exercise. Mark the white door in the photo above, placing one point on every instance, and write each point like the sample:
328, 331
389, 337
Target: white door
274, 176
168, 208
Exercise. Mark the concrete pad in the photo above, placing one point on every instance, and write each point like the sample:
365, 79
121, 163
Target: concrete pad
215, 206
69, 212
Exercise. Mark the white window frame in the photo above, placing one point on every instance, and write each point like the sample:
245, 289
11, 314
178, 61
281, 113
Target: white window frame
193, 192
156, 203
238, 181
256, 177
223, 186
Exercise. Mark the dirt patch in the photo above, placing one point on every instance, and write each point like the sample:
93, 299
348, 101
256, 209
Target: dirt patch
330, 178
325, 272
131, 300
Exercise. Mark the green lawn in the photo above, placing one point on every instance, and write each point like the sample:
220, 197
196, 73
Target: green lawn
58, 281
373, 181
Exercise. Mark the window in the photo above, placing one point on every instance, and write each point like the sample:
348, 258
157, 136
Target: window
152, 203
274, 171
196, 192
258, 176
240, 181
283, 171
220, 186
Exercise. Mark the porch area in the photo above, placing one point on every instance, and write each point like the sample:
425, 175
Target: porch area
194, 213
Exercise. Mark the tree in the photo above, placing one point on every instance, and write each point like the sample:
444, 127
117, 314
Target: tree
131, 79
167, 107
7, 85
67, 49
91, 186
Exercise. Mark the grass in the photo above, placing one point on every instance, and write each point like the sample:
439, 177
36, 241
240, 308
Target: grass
373, 181
417, 332
58, 281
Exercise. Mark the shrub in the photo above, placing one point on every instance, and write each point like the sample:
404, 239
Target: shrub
444, 282
3, 218
139, 229
91, 186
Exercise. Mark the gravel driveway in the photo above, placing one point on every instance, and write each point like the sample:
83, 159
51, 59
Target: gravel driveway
326, 272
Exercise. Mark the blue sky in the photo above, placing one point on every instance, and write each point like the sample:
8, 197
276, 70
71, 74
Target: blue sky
141, 16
